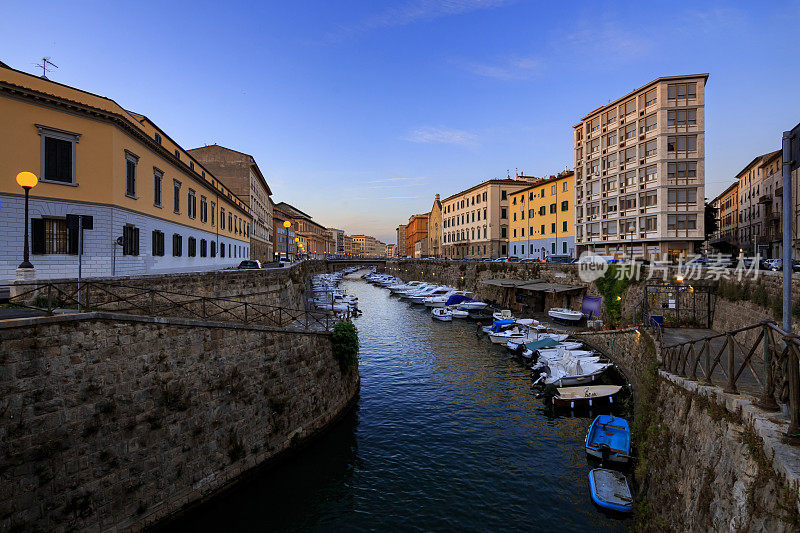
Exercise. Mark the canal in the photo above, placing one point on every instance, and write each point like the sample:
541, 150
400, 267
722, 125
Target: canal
447, 435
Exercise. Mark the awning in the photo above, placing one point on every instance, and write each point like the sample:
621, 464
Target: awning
511, 282
549, 287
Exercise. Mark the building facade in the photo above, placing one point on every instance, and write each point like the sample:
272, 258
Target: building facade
318, 242
726, 211
475, 222
640, 172
155, 208
391, 250
401, 241
240, 173
368, 246
349, 248
285, 244
337, 235
417, 230
434, 248
543, 218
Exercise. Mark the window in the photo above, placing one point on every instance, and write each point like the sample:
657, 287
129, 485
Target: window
628, 202
231, 227
191, 165
203, 209
564, 247
552, 227
552, 208
648, 200
564, 226
58, 151
51, 236
177, 245
221, 218
682, 117
130, 240
157, 137
191, 204
213, 249
158, 243
681, 91
650, 148
682, 143
503, 233
648, 223
650, 98
177, 153
564, 188
650, 123
192, 252
650, 174
681, 222
682, 172
542, 210
552, 189
541, 230
176, 195
503, 195
682, 196
503, 214
157, 178
213, 212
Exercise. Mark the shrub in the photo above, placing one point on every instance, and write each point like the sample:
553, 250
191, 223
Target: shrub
344, 343
612, 286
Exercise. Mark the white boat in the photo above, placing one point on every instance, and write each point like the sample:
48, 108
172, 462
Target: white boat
440, 313
456, 312
472, 305
440, 300
419, 299
505, 314
502, 337
567, 315
569, 372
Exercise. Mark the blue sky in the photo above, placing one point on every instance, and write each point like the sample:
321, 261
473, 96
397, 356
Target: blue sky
359, 112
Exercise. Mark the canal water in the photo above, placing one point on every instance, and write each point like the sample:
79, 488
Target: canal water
447, 435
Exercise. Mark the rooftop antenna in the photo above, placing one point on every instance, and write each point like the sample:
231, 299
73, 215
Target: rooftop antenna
44, 66
508, 173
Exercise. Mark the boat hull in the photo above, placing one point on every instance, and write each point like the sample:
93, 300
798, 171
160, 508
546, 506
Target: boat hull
590, 396
610, 490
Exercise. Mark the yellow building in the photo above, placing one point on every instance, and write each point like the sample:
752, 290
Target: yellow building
542, 218
155, 208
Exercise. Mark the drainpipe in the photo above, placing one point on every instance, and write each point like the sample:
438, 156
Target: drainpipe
787, 233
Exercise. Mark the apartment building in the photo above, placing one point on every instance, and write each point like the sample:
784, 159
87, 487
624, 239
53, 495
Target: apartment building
417, 231
337, 235
284, 244
348, 246
726, 211
240, 173
155, 207
401, 241
756, 196
391, 250
475, 222
368, 246
640, 172
434, 245
318, 242
543, 218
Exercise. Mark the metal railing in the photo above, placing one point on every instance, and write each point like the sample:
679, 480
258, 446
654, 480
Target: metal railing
137, 300
744, 360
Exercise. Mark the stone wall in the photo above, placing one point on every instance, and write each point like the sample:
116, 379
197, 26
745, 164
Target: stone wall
116, 421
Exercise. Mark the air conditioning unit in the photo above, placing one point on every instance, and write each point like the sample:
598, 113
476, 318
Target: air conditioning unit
621, 144
641, 137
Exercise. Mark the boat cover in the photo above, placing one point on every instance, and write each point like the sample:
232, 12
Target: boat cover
546, 342
457, 299
498, 324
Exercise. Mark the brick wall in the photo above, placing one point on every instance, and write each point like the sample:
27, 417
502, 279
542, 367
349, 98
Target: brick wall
112, 421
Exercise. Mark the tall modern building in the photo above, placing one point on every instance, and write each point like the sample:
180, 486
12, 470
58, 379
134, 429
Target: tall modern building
401, 241
726, 211
640, 172
338, 240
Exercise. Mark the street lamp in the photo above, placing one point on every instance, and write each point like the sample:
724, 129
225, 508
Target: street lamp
26, 180
297, 246
287, 224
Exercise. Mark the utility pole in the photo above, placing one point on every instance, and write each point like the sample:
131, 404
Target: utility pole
787, 231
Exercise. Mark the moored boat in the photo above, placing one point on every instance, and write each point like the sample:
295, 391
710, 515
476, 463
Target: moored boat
441, 313
588, 396
610, 490
609, 439
564, 314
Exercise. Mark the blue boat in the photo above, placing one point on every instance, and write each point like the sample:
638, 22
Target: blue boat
609, 439
610, 490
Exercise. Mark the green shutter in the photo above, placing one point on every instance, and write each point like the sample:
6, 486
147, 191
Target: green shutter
37, 235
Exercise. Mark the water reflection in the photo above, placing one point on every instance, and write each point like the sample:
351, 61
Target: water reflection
447, 435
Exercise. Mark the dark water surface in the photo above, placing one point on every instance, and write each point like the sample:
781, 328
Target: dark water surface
446, 436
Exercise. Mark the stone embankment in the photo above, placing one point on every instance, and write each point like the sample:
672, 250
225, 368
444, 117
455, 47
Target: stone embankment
115, 421
705, 460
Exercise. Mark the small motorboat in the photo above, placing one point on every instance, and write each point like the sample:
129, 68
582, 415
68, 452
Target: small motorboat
441, 313
472, 305
456, 312
565, 315
610, 490
504, 314
568, 371
609, 439
588, 396
499, 325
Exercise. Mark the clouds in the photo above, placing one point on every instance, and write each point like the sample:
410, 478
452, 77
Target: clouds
507, 69
441, 135
409, 13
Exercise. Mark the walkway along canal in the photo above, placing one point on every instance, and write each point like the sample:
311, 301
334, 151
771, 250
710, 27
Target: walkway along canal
447, 435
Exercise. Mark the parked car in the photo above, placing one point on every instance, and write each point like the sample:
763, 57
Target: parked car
772, 264
513, 259
249, 264
501, 259
559, 259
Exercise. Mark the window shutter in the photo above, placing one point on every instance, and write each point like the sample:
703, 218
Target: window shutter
135, 241
37, 235
72, 241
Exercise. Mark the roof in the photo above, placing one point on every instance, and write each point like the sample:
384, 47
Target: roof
545, 181
532, 285
645, 86
768, 158
504, 282
290, 209
755, 160
503, 181
253, 165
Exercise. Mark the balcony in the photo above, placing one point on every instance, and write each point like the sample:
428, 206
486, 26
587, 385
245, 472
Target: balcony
765, 199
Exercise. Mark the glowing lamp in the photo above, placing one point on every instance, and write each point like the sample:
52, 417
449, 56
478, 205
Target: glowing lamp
27, 180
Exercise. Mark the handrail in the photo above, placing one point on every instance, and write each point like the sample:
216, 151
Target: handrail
134, 299
731, 358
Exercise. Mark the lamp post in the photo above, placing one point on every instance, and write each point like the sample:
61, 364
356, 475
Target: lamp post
287, 224
26, 180
297, 246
